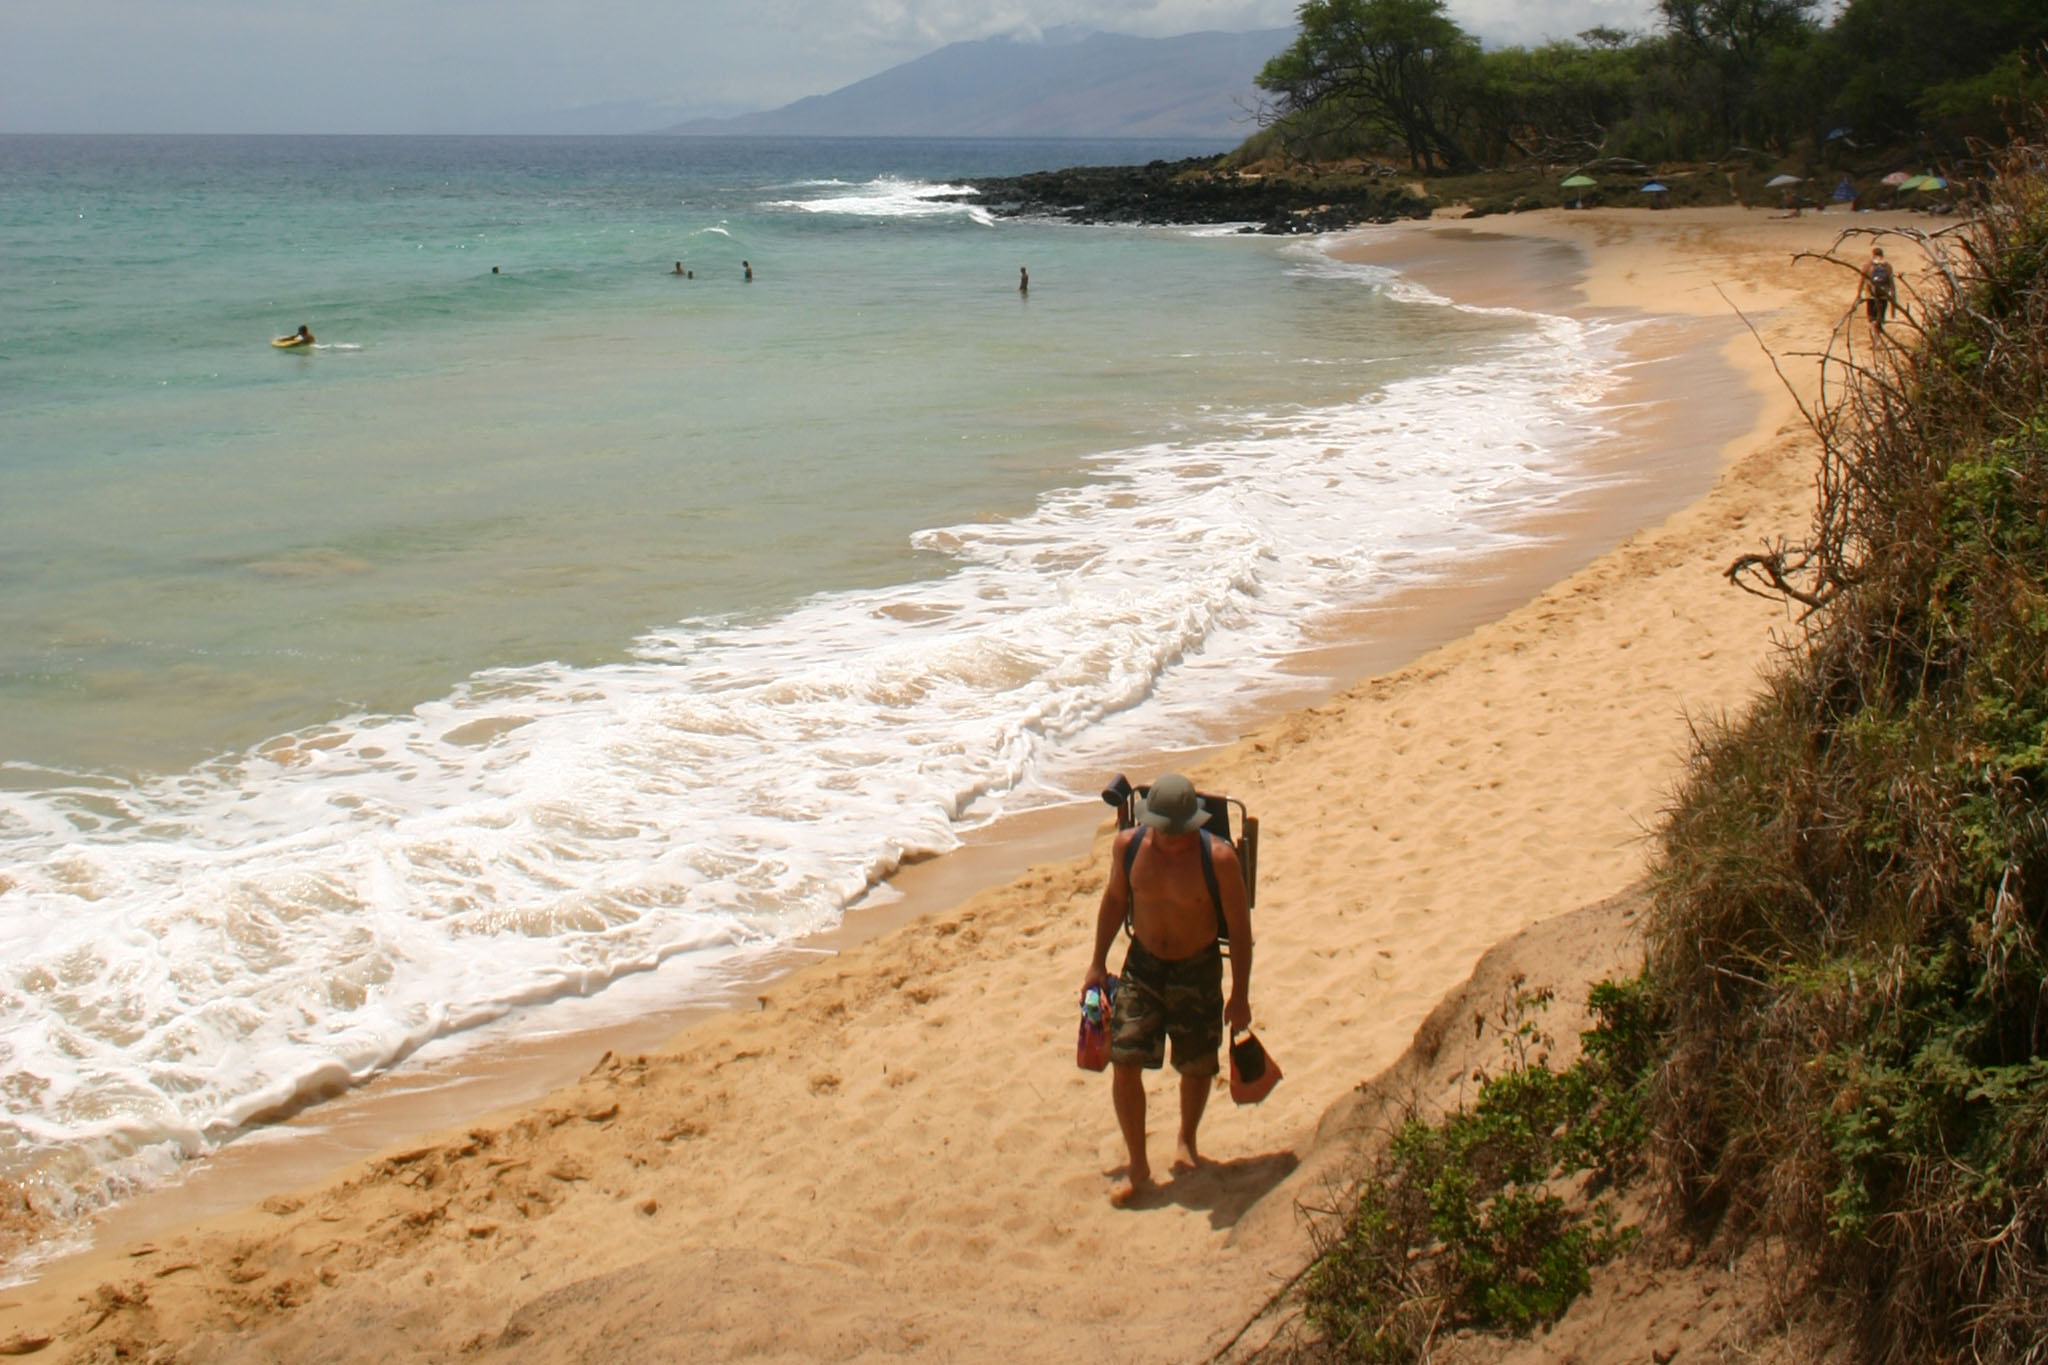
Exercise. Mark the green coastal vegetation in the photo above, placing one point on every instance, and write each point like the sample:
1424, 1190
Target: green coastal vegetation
1838, 1043
1493, 1216
1848, 942
1387, 109
1724, 91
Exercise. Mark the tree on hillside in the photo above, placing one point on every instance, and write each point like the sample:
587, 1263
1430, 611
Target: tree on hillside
1554, 103
1393, 67
1728, 50
1717, 76
1907, 66
1742, 29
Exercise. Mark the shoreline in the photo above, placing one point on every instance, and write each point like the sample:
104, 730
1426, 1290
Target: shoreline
519, 1060
1306, 881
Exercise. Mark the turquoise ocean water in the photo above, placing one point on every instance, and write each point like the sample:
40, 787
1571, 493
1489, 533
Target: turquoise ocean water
546, 627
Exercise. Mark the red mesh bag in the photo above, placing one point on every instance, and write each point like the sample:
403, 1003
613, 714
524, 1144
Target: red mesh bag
1253, 1072
1091, 1045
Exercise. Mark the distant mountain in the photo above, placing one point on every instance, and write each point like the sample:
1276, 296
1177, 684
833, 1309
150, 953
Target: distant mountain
617, 116
1071, 85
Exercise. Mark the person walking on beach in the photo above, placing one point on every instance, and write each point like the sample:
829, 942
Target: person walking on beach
1172, 983
1879, 291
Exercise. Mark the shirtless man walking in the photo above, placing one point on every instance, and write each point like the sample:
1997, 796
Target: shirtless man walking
1172, 984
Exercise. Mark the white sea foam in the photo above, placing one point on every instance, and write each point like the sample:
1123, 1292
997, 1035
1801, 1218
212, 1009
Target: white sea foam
889, 197
184, 955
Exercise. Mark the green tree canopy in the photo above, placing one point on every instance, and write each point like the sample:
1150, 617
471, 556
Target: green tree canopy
1556, 103
1396, 67
1741, 30
1737, 59
1903, 66
1765, 76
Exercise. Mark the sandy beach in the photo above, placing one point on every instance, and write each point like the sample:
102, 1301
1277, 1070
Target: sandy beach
890, 1151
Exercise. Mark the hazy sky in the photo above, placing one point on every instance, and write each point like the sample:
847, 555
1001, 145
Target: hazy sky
377, 66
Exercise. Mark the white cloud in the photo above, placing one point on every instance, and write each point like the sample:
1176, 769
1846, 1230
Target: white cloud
936, 22
1500, 22
946, 21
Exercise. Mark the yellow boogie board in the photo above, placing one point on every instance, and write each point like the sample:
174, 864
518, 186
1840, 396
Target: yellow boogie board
287, 343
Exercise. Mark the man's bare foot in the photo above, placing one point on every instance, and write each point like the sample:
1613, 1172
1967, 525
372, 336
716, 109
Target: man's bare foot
1137, 1184
1185, 1157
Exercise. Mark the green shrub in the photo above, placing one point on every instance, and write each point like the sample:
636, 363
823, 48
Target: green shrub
1493, 1216
1853, 885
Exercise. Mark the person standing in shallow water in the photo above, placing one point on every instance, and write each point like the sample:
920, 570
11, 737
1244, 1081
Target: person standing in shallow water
1172, 983
748, 266
1023, 280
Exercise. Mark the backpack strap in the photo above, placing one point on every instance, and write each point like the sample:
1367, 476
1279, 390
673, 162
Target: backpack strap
1209, 876
1131, 898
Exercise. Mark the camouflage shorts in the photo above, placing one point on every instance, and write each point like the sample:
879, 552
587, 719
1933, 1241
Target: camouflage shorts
1160, 1000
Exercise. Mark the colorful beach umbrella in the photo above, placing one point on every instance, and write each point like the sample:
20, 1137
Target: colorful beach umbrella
1780, 181
1897, 178
1581, 183
1655, 188
1926, 182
